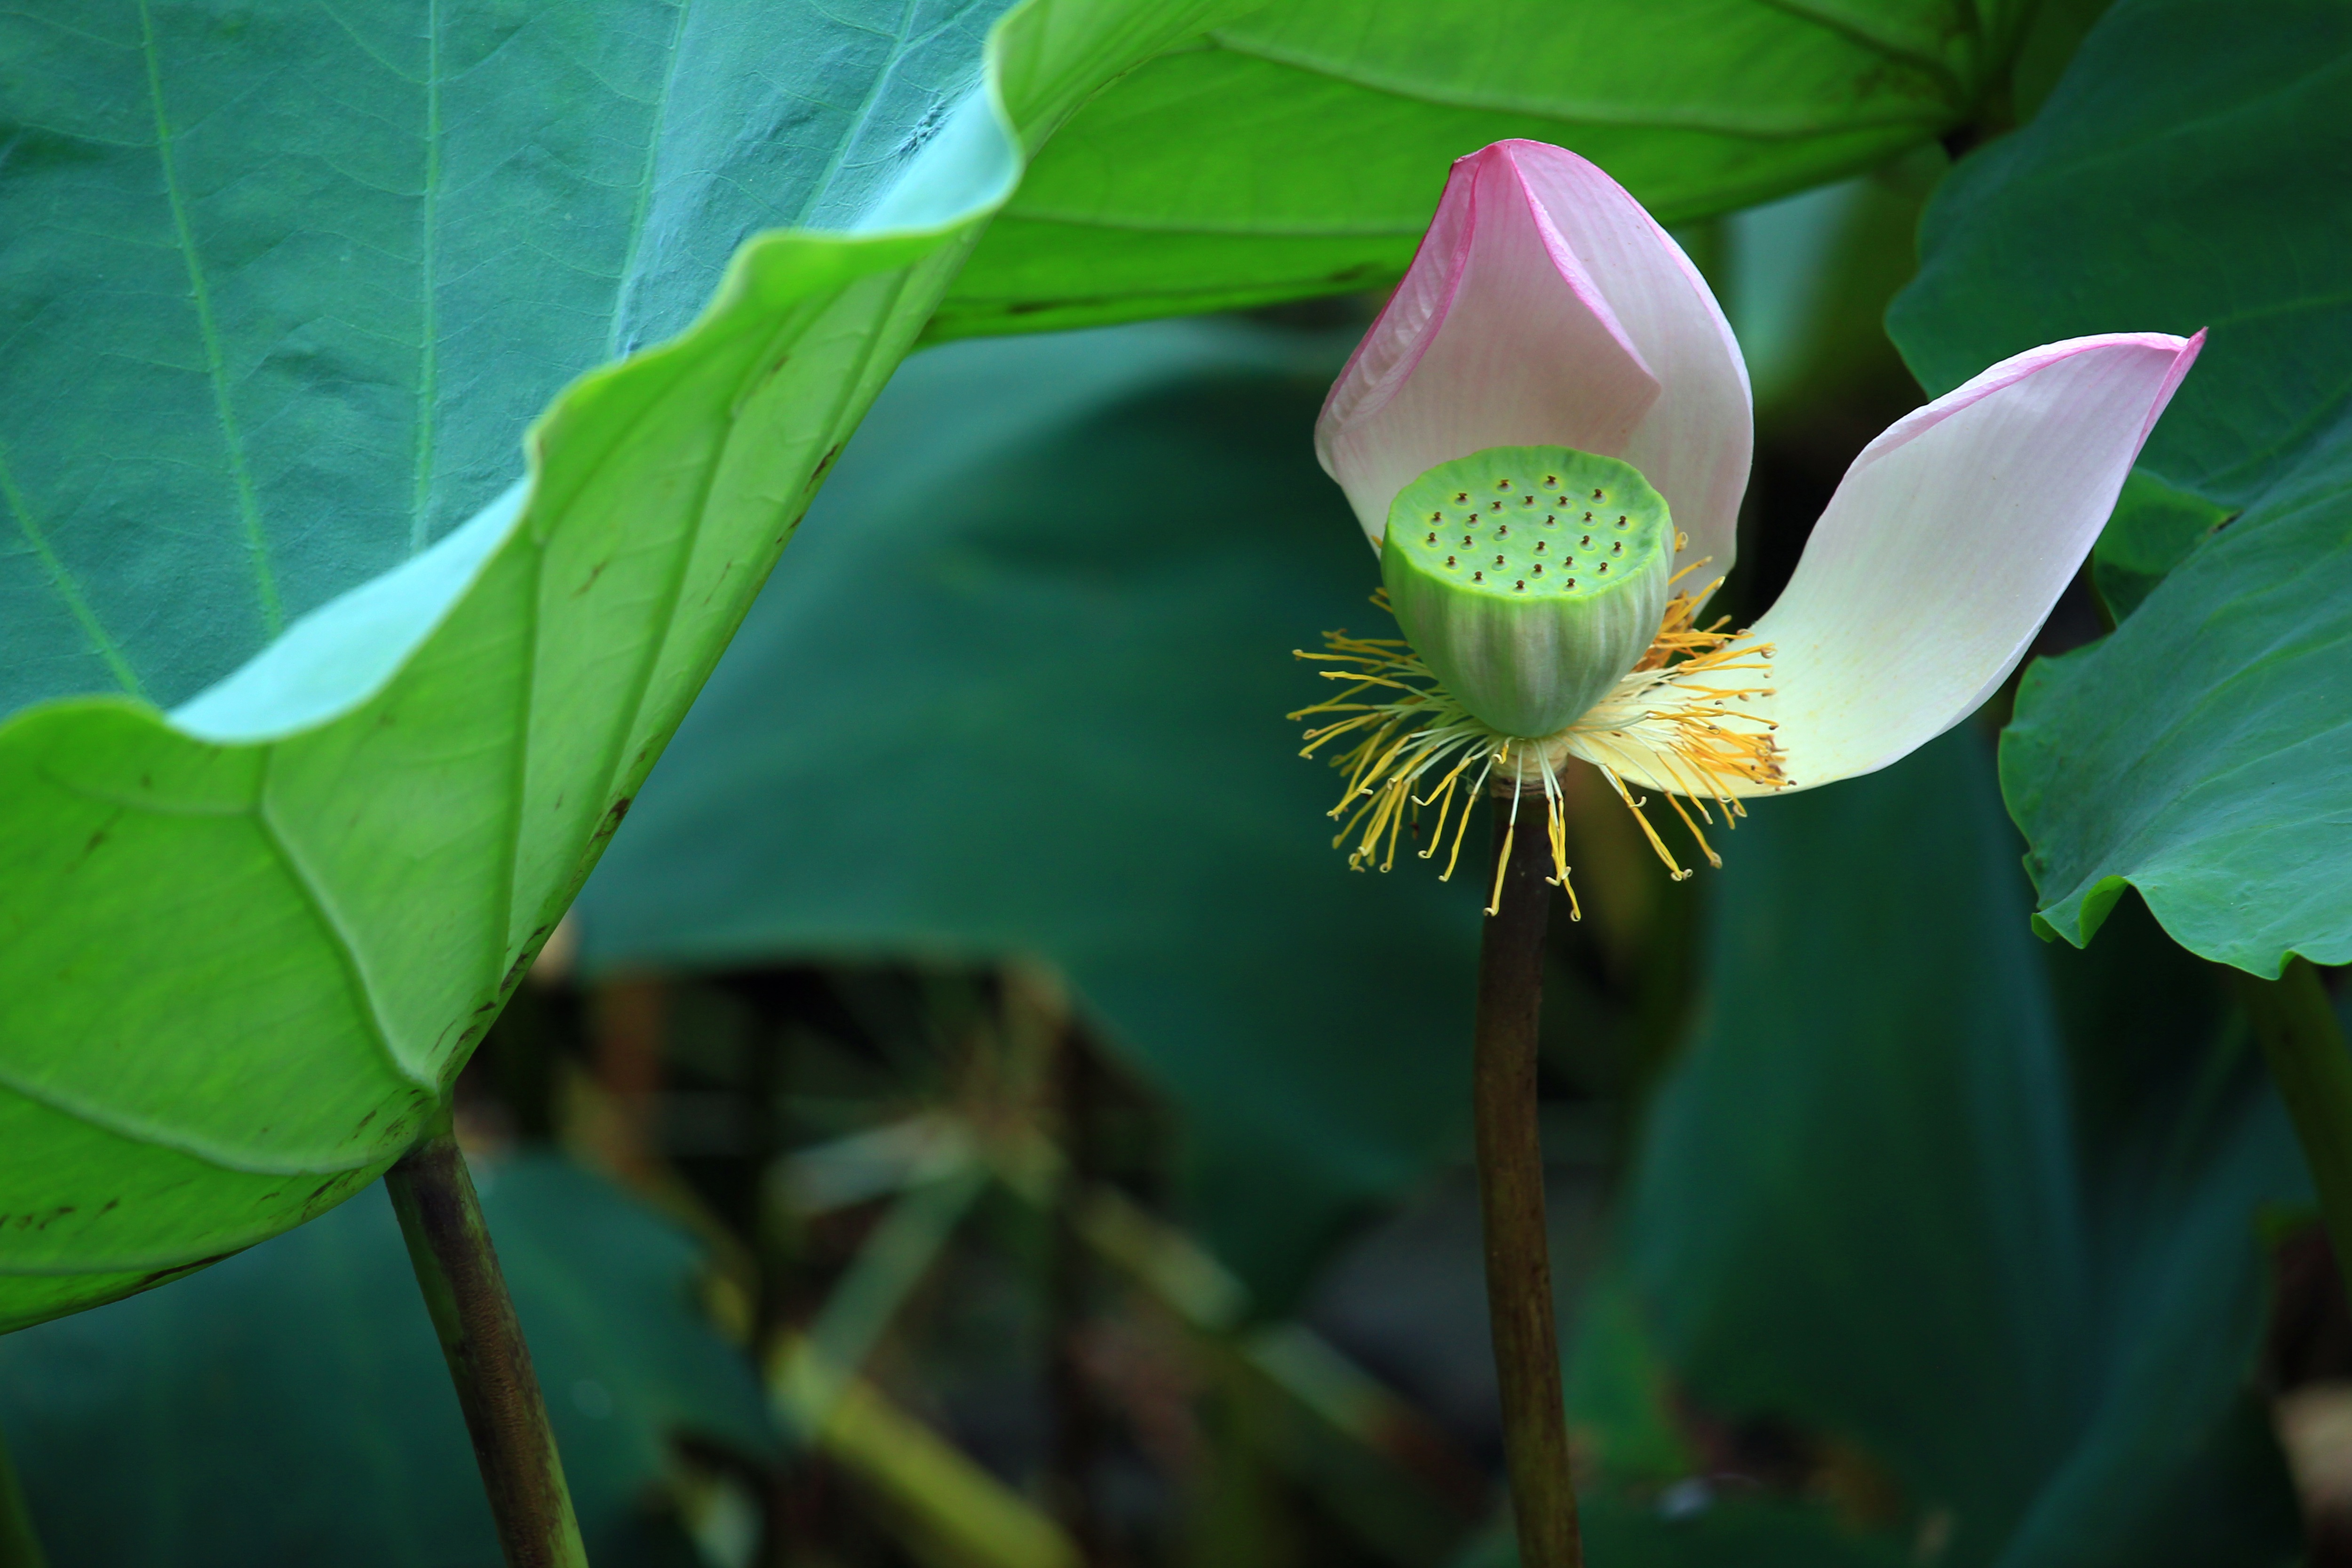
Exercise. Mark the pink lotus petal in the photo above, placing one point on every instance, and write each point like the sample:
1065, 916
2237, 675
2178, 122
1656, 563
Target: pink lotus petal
1947, 544
1546, 307
1695, 443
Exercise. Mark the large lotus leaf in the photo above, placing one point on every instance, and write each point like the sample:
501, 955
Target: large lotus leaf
2191, 171
290, 1406
1902, 1217
2153, 529
285, 284
1300, 150
241, 946
1059, 731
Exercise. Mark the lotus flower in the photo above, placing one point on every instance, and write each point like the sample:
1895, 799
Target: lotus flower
1547, 315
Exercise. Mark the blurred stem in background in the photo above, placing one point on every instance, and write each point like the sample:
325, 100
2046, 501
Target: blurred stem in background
466, 1293
19, 1546
1079, 1435
630, 1028
1511, 1196
2303, 1045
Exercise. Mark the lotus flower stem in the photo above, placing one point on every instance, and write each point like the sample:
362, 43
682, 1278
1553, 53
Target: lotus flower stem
1511, 1192
19, 1546
2303, 1045
1551, 399
449, 1247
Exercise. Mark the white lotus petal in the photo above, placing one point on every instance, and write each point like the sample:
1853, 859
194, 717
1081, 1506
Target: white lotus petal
1497, 337
1947, 544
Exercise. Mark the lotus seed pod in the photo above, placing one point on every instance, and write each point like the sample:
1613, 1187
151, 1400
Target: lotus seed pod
1529, 579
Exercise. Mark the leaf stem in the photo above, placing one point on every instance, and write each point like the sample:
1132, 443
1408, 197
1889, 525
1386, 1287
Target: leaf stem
20, 1547
450, 1249
2303, 1045
1511, 1196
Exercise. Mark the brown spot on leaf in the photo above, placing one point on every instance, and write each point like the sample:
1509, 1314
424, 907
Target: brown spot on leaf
177, 1270
817, 474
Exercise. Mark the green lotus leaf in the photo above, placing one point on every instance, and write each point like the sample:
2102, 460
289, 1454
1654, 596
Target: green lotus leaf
1300, 148
1976, 1228
2188, 172
2153, 529
275, 326
292, 1406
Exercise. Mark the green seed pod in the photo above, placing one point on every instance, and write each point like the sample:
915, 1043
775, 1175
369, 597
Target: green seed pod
1528, 579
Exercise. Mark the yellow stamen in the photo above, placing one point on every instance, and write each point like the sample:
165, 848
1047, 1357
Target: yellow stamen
1502, 861
1666, 720
1422, 736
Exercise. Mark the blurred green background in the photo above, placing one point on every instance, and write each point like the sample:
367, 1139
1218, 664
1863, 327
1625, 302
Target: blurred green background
973, 1118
